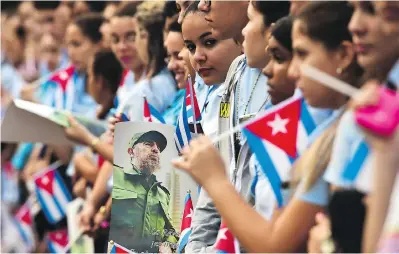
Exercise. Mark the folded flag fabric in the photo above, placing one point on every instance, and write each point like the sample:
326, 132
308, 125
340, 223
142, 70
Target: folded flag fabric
276, 137
185, 230
225, 241
151, 114
24, 222
57, 241
52, 194
188, 124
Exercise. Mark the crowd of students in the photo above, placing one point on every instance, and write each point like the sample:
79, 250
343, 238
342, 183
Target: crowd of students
244, 58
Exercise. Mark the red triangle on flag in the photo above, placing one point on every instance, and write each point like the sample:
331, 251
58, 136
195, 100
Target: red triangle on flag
147, 112
45, 181
120, 250
62, 77
124, 74
187, 214
225, 240
60, 237
280, 127
24, 215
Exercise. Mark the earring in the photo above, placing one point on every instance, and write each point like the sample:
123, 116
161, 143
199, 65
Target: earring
339, 70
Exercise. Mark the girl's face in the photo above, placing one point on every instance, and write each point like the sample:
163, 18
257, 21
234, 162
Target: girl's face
281, 86
123, 36
80, 48
374, 46
174, 44
209, 57
314, 53
142, 44
255, 40
50, 51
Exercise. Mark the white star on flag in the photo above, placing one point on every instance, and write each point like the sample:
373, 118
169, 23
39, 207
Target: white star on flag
58, 236
45, 180
147, 118
222, 234
63, 75
190, 215
278, 125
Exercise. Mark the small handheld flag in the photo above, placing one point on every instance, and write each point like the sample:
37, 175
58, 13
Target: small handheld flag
52, 194
57, 240
185, 230
64, 94
24, 222
226, 242
188, 125
116, 248
151, 114
276, 137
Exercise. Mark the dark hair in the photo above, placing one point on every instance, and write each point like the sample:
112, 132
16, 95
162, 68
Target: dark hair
150, 17
281, 31
192, 8
107, 66
170, 9
46, 5
272, 10
90, 24
128, 9
174, 26
96, 6
327, 22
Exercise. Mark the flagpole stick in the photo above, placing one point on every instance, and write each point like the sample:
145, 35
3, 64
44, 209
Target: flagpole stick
328, 81
69, 245
190, 84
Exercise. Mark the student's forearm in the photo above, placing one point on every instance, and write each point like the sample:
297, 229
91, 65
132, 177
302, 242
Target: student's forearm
85, 167
254, 232
100, 185
384, 174
103, 148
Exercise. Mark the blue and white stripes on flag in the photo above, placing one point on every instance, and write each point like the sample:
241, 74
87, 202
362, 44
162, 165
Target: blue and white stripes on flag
278, 137
185, 229
357, 162
151, 114
186, 128
52, 194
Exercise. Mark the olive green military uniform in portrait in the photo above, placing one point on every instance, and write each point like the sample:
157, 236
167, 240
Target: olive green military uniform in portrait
140, 218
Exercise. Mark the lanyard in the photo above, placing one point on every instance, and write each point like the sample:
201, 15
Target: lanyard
210, 90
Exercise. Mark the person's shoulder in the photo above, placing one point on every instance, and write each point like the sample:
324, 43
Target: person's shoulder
163, 189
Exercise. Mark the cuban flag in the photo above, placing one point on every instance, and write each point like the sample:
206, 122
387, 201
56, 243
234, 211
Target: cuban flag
64, 93
57, 241
225, 241
24, 222
116, 248
151, 114
188, 124
124, 85
185, 230
52, 194
277, 137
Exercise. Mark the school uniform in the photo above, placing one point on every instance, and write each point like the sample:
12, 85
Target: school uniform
348, 139
251, 96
